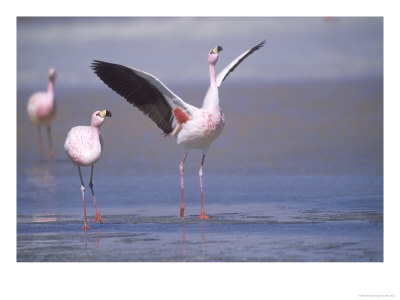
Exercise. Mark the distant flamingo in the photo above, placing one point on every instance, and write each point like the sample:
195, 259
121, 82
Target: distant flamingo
42, 111
84, 145
193, 127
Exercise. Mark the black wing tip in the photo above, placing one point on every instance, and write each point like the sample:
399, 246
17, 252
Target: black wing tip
97, 63
260, 45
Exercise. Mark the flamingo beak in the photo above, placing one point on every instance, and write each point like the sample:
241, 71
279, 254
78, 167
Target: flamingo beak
216, 50
105, 113
52, 74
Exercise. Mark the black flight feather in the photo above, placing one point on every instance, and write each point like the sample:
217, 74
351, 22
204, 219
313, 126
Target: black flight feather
255, 48
137, 91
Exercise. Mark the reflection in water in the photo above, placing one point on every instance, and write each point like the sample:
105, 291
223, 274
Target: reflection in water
98, 239
85, 235
39, 188
99, 233
183, 238
53, 217
203, 247
40, 176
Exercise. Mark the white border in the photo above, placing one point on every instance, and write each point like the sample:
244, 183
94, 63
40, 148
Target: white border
200, 280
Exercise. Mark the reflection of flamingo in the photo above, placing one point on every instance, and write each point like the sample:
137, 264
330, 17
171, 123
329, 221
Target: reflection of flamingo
194, 127
84, 145
42, 111
183, 238
203, 238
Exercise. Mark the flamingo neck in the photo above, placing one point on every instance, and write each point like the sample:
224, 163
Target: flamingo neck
212, 74
50, 89
95, 132
211, 101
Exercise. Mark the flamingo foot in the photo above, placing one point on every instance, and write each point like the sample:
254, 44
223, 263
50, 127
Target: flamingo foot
203, 216
86, 227
182, 212
98, 218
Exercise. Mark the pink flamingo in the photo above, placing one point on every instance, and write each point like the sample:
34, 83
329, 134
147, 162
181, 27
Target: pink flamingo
84, 145
193, 127
42, 111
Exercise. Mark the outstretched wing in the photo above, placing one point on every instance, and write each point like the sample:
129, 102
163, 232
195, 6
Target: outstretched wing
144, 91
232, 66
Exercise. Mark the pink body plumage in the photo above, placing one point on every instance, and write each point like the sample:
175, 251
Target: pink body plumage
42, 111
84, 144
41, 105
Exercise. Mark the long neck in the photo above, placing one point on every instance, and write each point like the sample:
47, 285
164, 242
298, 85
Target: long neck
95, 132
212, 74
211, 100
50, 90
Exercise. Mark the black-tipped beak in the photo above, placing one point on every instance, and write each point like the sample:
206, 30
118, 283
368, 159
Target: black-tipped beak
216, 50
104, 113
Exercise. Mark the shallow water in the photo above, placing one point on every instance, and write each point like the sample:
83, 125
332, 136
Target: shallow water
341, 220
295, 176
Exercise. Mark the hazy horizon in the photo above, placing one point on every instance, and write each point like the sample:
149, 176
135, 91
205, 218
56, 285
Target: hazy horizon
175, 48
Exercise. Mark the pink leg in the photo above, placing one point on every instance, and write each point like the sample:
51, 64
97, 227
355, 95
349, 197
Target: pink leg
50, 144
40, 144
97, 218
181, 170
203, 215
86, 227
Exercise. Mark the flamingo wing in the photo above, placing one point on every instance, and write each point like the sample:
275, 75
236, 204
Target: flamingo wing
144, 91
232, 66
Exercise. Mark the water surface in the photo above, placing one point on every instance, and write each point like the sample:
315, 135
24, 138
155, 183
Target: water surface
297, 175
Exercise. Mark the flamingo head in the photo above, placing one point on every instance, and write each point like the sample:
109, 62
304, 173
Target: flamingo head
99, 116
52, 74
213, 55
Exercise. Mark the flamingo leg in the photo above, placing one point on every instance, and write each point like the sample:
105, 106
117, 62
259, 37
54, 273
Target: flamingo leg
40, 144
50, 143
86, 227
203, 215
97, 218
181, 171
